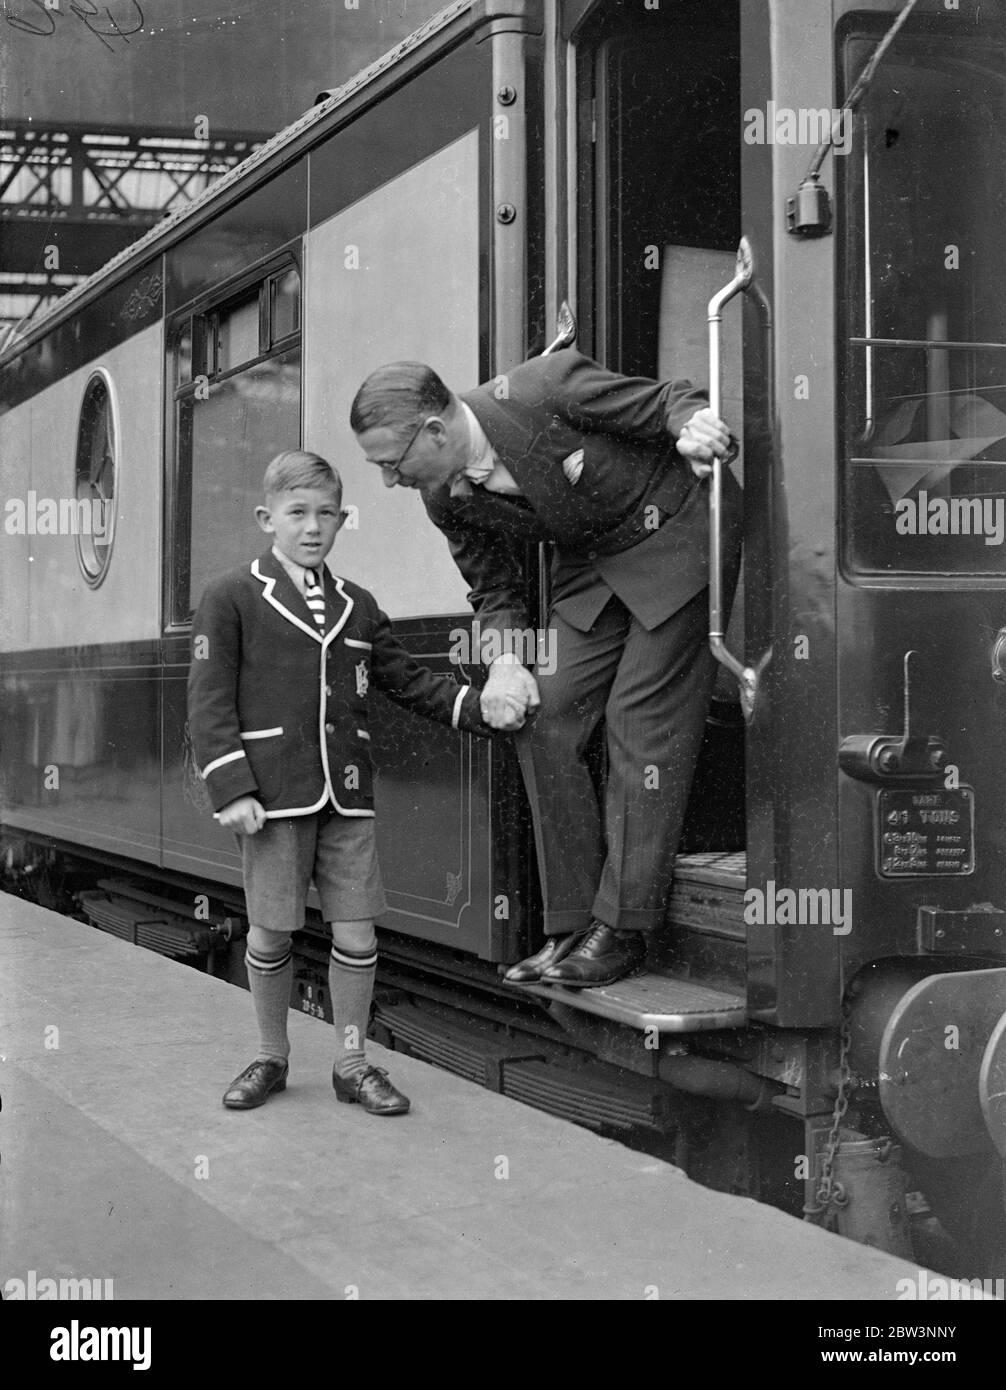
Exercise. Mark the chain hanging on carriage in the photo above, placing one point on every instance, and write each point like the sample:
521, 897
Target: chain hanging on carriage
830, 1195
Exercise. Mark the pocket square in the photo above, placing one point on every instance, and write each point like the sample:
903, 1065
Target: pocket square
572, 466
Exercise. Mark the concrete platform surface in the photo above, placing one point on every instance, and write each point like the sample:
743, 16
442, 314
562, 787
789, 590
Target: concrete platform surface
119, 1162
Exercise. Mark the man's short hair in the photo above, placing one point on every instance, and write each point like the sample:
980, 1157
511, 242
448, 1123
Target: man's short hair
397, 396
298, 468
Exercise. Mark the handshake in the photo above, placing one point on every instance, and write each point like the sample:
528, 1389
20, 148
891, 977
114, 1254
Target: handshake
510, 695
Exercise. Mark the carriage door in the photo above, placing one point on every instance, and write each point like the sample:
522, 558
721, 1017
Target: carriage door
658, 204
922, 602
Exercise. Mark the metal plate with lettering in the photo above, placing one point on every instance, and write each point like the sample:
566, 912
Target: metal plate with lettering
925, 832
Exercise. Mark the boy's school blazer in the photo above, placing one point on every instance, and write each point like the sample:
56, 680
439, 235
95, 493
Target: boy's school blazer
278, 708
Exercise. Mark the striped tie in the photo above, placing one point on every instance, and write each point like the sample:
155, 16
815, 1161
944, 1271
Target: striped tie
315, 596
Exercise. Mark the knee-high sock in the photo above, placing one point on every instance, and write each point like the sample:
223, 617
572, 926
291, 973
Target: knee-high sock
270, 971
351, 985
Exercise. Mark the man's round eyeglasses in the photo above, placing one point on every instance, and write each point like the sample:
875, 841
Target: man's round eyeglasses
394, 467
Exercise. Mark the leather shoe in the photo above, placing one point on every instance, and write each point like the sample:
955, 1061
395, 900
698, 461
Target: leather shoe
555, 949
601, 958
256, 1084
372, 1090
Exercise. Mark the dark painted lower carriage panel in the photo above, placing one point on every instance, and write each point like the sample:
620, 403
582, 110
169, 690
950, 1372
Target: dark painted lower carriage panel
80, 755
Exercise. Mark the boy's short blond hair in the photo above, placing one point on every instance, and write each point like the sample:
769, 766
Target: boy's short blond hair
298, 468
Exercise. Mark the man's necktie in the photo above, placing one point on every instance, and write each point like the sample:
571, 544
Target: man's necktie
315, 596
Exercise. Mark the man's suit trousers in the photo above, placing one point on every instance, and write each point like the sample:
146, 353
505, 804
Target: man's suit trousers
612, 857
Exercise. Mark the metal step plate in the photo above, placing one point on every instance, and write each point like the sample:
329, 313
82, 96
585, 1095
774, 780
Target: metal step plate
652, 1001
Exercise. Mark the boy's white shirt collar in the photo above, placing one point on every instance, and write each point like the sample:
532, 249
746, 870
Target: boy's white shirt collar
296, 572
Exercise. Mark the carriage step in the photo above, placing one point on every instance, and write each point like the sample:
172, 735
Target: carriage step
655, 1001
707, 897
726, 869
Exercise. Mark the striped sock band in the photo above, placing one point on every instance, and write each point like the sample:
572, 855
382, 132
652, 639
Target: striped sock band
355, 960
269, 979
267, 965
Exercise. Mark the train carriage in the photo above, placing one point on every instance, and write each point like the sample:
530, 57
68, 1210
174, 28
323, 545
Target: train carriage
832, 973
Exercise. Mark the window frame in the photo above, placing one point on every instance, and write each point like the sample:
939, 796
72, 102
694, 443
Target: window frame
862, 23
201, 319
95, 578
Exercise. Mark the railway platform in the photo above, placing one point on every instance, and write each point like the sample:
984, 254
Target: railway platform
120, 1164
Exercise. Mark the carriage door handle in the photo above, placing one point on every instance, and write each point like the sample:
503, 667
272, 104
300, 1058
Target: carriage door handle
746, 676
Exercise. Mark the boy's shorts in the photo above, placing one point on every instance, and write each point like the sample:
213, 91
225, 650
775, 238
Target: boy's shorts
338, 852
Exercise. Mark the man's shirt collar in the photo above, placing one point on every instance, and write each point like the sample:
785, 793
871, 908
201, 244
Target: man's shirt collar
483, 467
481, 458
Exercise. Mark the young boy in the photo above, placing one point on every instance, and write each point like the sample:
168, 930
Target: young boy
284, 655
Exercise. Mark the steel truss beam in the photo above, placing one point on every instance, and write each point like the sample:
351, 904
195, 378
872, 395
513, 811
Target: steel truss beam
89, 193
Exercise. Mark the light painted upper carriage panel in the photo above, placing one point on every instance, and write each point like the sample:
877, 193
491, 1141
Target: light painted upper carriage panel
81, 516
374, 296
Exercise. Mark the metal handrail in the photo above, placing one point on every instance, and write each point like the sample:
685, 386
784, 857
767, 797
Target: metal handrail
746, 676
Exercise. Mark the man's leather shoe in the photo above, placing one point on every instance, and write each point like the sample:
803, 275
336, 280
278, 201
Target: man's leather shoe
256, 1084
555, 949
602, 957
372, 1090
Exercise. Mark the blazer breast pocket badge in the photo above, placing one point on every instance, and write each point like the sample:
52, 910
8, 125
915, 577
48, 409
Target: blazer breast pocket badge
572, 466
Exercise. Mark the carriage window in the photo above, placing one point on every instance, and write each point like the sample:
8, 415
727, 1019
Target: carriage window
236, 335
231, 418
95, 479
285, 300
183, 354
925, 308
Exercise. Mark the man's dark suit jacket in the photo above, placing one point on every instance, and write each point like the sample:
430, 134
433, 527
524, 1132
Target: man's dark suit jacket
628, 517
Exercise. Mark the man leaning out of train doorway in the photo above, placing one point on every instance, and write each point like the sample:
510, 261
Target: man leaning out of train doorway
605, 466
285, 657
